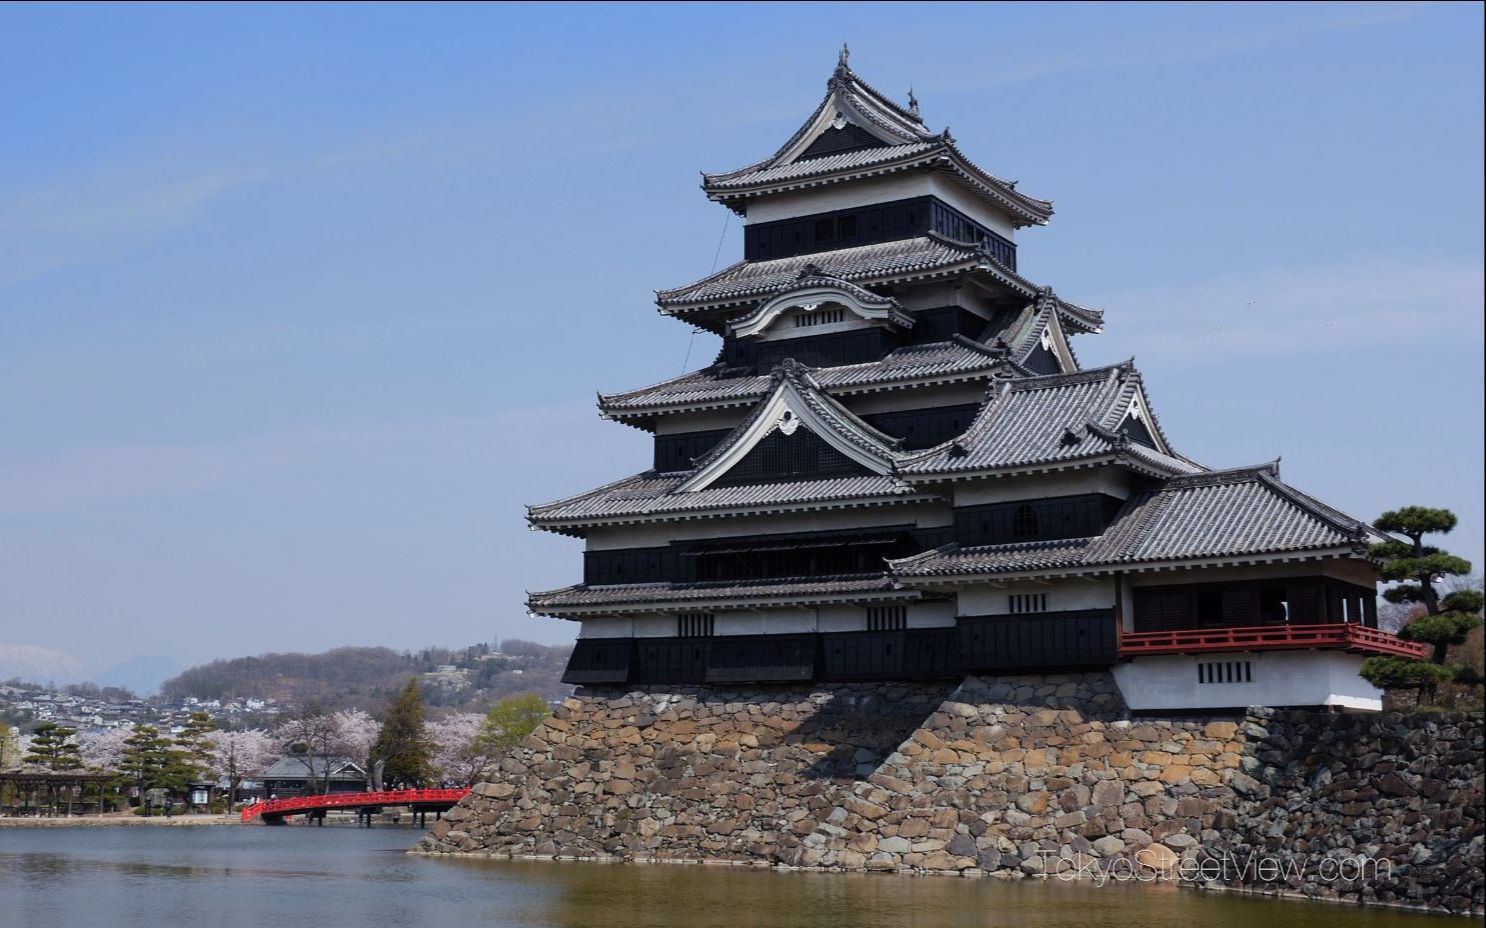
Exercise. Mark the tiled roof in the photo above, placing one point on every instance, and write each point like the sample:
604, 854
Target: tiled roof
755, 175
713, 386
694, 595
1035, 421
794, 378
1236, 513
293, 766
746, 281
929, 255
651, 495
906, 143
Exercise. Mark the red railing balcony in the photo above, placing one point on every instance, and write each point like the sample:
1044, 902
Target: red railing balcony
1337, 635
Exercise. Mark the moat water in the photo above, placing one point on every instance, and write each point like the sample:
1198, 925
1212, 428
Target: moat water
342, 877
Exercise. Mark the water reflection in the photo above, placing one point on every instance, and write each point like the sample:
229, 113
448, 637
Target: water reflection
333, 877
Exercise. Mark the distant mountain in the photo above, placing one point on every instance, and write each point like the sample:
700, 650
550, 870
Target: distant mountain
472, 678
35, 663
142, 674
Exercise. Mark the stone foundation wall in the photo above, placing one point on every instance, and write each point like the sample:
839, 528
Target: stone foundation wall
1321, 792
685, 774
1012, 776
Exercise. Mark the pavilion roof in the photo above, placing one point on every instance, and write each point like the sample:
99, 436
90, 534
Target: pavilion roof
922, 257
645, 597
1227, 515
956, 359
1028, 423
1051, 420
891, 138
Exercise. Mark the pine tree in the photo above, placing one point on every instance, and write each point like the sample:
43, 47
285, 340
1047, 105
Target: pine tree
151, 761
52, 747
194, 744
402, 746
194, 748
1416, 568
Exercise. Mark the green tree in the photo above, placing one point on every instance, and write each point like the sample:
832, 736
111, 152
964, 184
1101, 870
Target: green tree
152, 761
403, 748
1415, 568
194, 741
52, 747
194, 746
1388, 672
511, 720
7, 745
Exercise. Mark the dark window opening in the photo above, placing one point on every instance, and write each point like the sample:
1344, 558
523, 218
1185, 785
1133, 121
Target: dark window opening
1024, 522
1040, 520
1274, 609
1209, 607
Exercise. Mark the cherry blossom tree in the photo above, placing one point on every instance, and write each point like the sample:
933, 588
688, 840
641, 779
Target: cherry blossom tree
103, 748
459, 754
237, 755
355, 732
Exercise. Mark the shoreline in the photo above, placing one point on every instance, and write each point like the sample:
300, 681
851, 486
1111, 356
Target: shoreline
98, 821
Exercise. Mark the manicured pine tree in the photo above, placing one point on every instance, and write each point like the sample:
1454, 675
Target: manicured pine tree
52, 747
1416, 568
402, 746
194, 747
151, 761
194, 742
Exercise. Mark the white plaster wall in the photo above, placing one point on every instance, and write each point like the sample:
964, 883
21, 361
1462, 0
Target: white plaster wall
924, 515
831, 617
1280, 678
765, 622
606, 627
1115, 481
655, 626
929, 615
1062, 596
871, 190
841, 618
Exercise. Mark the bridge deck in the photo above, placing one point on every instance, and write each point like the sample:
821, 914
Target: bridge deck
300, 805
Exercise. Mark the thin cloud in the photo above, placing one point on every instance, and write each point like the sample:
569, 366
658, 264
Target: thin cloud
1322, 309
1206, 44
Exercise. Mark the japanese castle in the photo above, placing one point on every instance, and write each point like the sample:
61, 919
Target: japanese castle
897, 469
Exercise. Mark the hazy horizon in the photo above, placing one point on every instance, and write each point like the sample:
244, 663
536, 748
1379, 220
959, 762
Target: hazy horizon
299, 306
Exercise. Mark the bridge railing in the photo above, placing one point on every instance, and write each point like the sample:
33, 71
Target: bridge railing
386, 797
1351, 637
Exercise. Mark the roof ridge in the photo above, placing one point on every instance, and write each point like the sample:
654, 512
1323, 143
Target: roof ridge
532, 508
1088, 374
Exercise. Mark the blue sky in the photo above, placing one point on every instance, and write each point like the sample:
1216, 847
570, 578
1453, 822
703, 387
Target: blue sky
299, 305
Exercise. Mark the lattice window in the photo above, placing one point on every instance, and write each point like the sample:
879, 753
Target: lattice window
1225, 672
820, 317
887, 618
1024, 522
694, 624
1028, 602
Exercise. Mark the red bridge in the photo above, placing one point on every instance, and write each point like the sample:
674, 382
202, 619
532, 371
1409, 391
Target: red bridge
420, 801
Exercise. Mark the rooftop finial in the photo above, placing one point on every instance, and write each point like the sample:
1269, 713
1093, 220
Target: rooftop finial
845, 54
912, 101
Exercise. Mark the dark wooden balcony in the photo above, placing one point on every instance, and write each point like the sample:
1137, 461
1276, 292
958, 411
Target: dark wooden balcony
1339, 636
